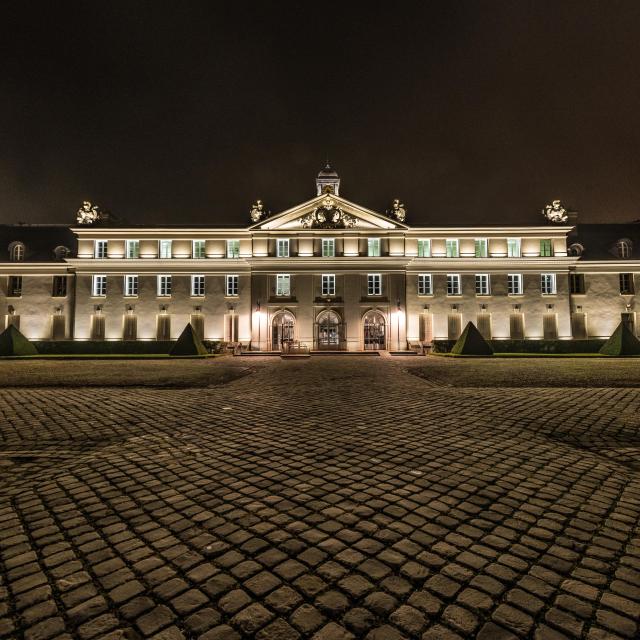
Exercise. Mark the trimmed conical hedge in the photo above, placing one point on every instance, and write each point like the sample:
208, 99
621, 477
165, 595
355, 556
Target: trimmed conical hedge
471, 343
13, 343
188, 344
621, 343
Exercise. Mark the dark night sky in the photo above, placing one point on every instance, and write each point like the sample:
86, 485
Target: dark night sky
185, 112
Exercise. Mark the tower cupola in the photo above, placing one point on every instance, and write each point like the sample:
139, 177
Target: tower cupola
328, 181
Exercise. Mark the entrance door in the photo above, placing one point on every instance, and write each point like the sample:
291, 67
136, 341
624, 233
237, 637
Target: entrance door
329, 330
374, 331
282, 330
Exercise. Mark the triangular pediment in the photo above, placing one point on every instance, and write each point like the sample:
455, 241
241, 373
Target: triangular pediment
327, 211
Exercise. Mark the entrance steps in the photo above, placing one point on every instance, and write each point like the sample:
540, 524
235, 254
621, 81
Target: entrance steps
404, 353
345, 353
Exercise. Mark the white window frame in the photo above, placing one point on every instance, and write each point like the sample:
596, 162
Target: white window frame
483, 284
515, 284
283, 285
132, 249
131, 286
483, 243
373, 247
282, 247
164, 286
425, 284
328, 247
374, 284
328, 284
100, 249
232, 285
99, 286
454, 284
514, 248
198, 247
233, 248
424, 248
17, 252
197, 286
454, 244
548, 284
163, 245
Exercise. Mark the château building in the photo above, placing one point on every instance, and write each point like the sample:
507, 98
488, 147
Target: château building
327, 273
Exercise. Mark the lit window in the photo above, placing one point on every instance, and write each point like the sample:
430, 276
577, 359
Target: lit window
483, 284
283, 284
374, 284
546, 249
328, 284
548, 284
16, 252
282, 247
576, 283
623, 248
425, 284
232, 286
15, 287
514, 284
424, 248
328, 247
452, 249
165, 249
197, 250
626, 284
373, 247
453, 284
59, 289
164, 286
513, 247
131, 285
233, 248
133, 248
481, 247
99, 286
197, 286
100, 249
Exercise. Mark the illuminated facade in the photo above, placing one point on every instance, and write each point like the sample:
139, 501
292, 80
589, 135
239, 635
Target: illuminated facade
327, 273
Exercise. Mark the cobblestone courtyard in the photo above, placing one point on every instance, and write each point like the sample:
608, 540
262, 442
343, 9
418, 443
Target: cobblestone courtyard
329, 498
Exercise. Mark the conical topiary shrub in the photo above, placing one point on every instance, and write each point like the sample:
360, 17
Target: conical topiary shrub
13, 343
471, 343
621, 343
188, 344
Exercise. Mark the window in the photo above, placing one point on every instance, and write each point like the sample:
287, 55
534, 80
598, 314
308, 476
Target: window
282, 247
626, 284
453, 284
374, 284
548, 284
513, 247
99, 286
133, 248
328, 247
373, 247
59, 289
164, 286
546, 249
425, 284
481, 248
283, 284
15, 287
424, 248
483, 284
100, 249
131, 285
197, 249
61, 252
575, 249
16, 252
233, 248
165, 249
231, 288
328, 284
623, 248
514, 284
576, 283
452, 248
197, 286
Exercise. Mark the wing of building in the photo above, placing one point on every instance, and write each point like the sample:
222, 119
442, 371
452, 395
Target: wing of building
327, 273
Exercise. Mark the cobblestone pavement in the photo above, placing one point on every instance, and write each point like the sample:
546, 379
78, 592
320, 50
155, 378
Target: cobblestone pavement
329, 498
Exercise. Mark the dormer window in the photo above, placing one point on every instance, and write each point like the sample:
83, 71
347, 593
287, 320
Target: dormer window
61, 252
623, 248
575, 250
16, 251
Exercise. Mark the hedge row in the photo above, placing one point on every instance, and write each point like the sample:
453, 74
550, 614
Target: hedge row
531, 346
115, 346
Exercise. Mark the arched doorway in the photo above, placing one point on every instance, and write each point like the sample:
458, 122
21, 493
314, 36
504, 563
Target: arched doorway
375, 331
282, 330
329, 331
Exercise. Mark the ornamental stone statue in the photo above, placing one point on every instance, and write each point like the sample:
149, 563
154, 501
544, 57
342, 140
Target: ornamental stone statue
88, 213
398, 211
555, 212
257, 211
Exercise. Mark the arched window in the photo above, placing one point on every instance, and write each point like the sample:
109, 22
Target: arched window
575, 249
61, 252
623, 248
16, 251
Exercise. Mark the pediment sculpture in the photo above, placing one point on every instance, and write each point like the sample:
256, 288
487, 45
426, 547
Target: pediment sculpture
328, 216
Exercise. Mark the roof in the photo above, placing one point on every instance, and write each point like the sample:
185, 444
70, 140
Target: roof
599, 240
40, 240
328, 172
